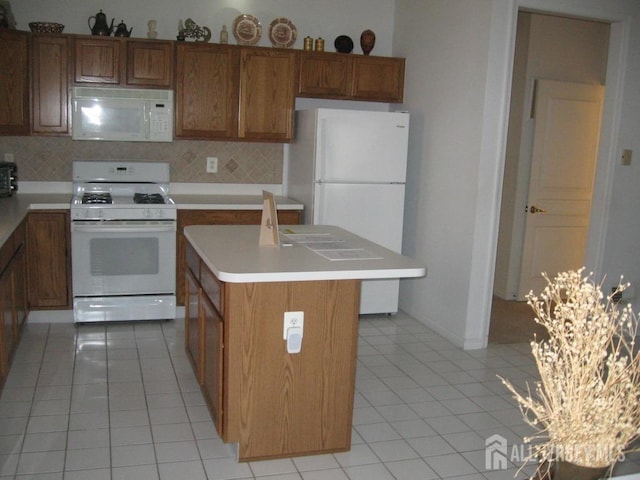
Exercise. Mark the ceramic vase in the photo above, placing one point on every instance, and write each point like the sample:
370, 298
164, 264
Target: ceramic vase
367, 41
570, 471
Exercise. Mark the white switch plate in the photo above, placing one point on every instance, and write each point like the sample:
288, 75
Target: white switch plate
292, 319
212, 164
8, 157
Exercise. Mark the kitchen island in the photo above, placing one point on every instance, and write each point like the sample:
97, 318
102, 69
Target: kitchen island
269, 400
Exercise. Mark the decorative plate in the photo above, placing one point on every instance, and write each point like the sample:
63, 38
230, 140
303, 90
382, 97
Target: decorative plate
343, 44
247, 30
282, 33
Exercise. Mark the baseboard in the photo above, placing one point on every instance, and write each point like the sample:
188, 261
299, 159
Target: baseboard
66, 316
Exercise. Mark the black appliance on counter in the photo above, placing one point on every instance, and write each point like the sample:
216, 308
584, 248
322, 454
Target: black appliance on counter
8, 178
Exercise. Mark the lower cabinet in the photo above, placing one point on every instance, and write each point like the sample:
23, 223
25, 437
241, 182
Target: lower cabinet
13, 305
49, 264
204, 334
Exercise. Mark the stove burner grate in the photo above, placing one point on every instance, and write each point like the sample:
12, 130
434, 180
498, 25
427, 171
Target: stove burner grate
148, 198
97, 198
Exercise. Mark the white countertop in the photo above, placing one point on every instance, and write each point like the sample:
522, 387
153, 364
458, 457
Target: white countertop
233, 255
230, 202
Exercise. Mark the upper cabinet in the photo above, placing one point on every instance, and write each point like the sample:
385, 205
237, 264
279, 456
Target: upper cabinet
123, 62
267, 94
206, 97
14, 82
351, 77
225, 92
49, 84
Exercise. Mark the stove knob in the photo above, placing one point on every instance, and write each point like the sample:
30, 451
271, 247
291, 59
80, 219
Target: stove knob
160, 213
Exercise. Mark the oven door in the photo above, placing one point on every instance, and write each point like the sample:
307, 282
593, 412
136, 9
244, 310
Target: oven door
123, 257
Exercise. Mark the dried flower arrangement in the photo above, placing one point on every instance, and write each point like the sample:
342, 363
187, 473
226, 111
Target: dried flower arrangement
586, 405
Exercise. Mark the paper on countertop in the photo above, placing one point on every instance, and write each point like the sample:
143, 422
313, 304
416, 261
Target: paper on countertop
329, 246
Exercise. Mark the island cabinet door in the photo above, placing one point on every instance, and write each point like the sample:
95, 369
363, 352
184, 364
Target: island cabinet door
213, 360
194, 341
281, 404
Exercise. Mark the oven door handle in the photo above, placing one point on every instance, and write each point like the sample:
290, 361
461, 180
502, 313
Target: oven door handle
124, 228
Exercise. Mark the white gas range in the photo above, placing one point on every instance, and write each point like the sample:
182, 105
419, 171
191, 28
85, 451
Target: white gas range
123, 235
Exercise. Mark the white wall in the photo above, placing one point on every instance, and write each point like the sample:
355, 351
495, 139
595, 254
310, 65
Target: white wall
457, 89
446, 44
316, 18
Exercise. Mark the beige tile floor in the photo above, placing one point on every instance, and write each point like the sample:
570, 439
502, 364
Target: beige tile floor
120, 401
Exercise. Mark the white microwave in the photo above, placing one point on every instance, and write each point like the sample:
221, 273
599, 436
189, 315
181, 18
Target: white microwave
121, 114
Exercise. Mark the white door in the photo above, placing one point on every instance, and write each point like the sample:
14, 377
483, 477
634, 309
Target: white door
361, 146
565, 148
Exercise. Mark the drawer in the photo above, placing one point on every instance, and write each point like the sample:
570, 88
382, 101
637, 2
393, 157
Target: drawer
193, 261
212, 287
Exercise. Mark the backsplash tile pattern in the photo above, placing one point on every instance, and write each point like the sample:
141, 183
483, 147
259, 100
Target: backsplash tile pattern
49, 158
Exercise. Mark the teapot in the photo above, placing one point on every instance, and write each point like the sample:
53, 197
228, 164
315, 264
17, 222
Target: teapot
100, 26
121, 30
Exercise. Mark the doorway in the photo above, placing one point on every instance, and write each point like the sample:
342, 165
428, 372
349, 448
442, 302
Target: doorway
548, 47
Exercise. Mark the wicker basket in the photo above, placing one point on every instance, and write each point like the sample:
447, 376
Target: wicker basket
46, 27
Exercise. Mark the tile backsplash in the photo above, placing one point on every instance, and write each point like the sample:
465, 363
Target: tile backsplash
50, 158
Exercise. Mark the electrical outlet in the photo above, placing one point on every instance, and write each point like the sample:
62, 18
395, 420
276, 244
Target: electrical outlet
8, 157
292, 319
212, 164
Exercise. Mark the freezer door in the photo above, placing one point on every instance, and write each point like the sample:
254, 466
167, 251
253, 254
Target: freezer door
373, 211
360, 146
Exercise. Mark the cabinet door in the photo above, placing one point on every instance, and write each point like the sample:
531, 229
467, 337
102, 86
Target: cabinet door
49, 84
97, 60
149, 63
206, 91
47, 258
267, 94
194, 340
14, 83
378, 79
324, 75
213, 360
6, 321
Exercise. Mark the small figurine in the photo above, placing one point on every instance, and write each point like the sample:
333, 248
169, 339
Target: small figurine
192, 30
224, 35
152, 33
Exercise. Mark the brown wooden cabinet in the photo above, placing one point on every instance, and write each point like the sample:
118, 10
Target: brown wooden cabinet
218, 217
50, 84
225, 92
204, 333
14, 82
267, 94
48, 262
351, 77
206, 91
12, 297
123, 62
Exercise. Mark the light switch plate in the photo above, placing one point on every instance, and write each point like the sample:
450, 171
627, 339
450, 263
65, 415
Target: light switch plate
626, 157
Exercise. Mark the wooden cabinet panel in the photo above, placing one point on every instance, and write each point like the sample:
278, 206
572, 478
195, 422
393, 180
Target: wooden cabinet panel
324, 75
14, 82
206, 91
150, 63
218, 217
49, 276
97, 60
213, 374
49, 84
194, 341
267, 94
378, 78
6, 322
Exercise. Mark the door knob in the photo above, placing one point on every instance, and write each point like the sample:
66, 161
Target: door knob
534, 209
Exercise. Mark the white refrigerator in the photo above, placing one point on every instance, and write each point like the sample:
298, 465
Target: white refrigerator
348, 168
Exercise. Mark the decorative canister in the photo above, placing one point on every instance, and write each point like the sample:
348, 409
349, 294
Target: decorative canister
319, 44
308, 43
